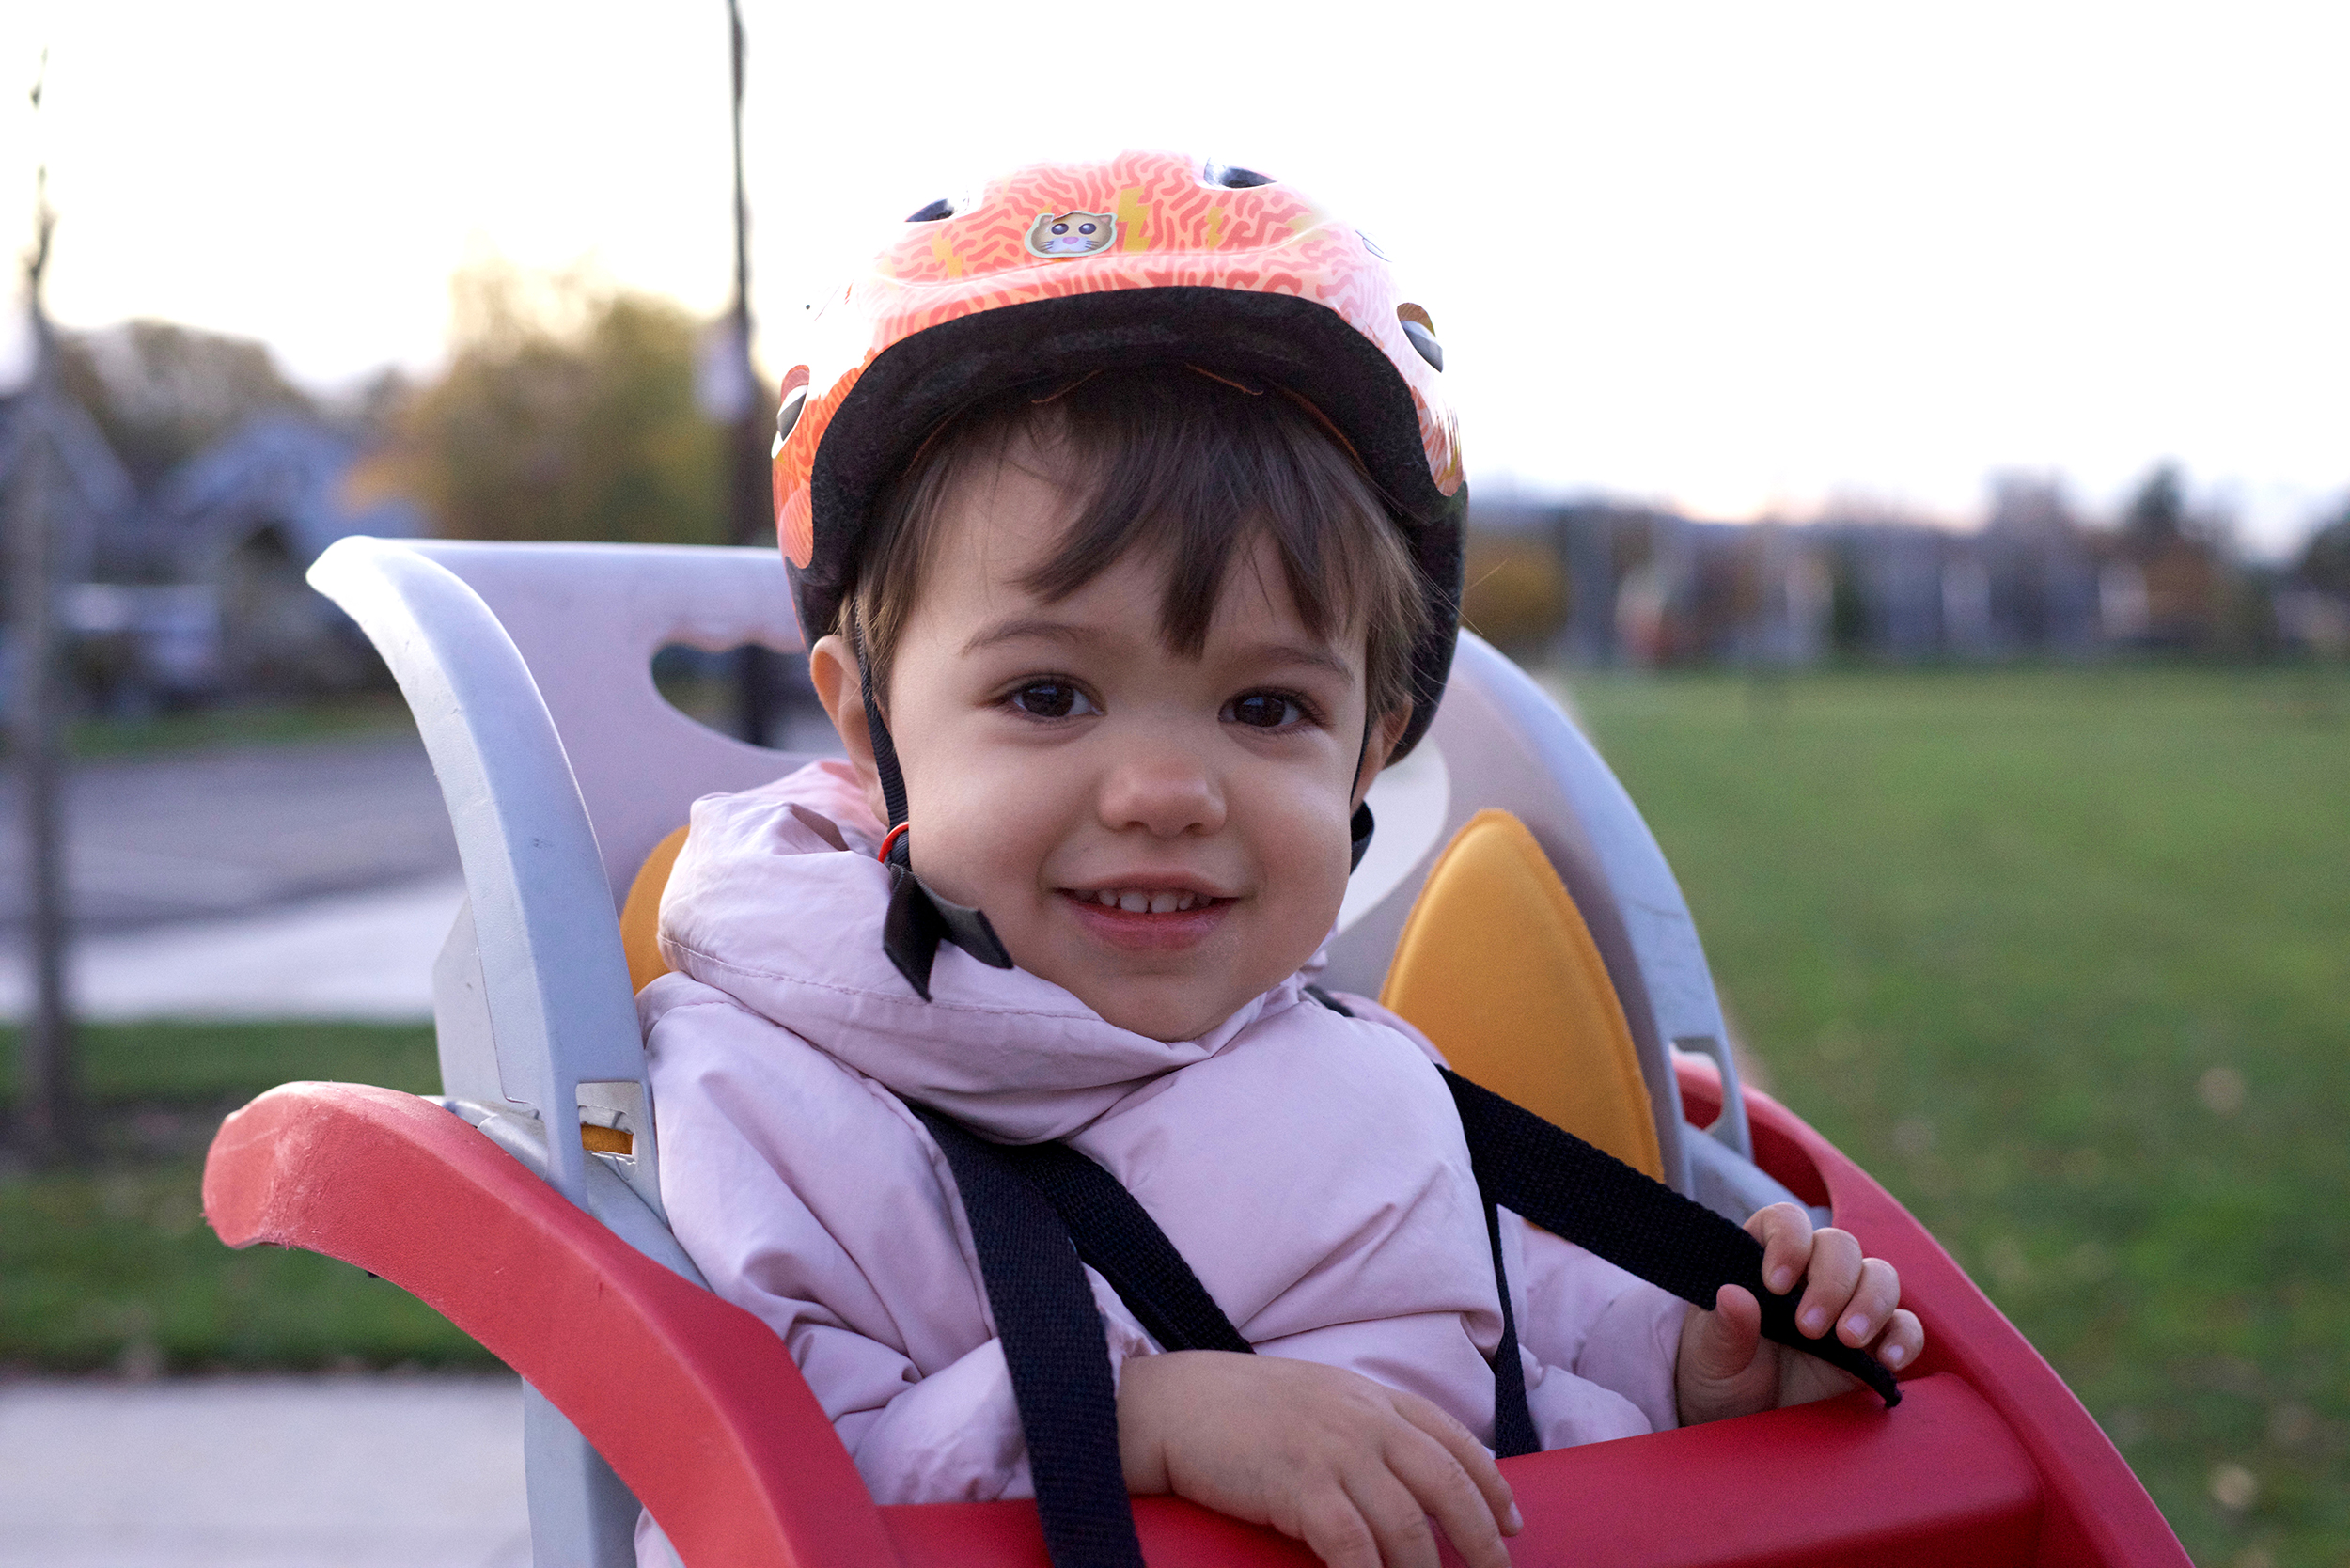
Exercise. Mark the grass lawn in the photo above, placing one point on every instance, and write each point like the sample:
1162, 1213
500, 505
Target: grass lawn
252, 724
2064, 958
113, 1266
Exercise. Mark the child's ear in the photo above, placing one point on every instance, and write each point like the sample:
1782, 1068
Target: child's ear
1383, 735
840, 687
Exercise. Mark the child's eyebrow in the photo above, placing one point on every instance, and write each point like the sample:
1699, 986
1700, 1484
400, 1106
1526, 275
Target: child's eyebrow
1023, 628
1043, 628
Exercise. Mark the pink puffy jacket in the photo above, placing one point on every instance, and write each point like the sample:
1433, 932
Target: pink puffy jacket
1309, 1166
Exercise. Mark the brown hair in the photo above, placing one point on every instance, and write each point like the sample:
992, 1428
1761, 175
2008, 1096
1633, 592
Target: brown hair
1193, 469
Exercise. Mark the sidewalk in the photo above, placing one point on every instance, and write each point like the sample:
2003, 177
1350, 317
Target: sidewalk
201, 835
347, 956
263, 1472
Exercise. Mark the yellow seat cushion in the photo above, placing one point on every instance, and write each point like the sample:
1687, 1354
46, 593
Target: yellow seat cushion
640, 915
1497, 965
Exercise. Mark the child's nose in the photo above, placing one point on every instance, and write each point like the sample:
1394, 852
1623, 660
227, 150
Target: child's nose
1167, 795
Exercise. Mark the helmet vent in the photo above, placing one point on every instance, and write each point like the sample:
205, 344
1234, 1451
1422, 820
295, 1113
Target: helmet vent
1422, 332
943, 208
1235, 178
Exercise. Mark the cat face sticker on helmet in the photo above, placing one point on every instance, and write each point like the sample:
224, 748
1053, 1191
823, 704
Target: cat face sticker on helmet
1065, 234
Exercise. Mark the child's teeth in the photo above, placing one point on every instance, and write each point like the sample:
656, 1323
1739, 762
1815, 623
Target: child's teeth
1139, 901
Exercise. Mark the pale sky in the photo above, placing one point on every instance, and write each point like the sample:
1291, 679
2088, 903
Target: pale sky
1737, 257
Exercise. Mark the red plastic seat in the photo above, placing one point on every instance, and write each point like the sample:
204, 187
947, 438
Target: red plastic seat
1989, 1460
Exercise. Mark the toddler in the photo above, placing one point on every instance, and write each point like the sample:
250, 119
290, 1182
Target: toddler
1134, 564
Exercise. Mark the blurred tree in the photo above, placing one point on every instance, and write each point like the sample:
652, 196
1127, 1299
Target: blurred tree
2157, 515
2326, 558
162, 392
1516, 593
2184, 557
567, 411
1847, 600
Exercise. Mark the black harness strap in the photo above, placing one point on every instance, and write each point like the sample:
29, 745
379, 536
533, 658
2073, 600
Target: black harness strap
1557, 1181
1053, 1346
1513, 1421
1117, 1235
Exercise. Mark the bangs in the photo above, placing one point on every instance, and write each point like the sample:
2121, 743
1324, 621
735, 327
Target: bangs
1193, 471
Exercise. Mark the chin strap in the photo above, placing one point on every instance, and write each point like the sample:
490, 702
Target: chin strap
918, 920
1359, 825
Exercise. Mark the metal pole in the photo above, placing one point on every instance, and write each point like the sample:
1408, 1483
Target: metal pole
751, 504
49, 1108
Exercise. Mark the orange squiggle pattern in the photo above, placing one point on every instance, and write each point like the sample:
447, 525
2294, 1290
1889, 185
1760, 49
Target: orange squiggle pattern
1174, 229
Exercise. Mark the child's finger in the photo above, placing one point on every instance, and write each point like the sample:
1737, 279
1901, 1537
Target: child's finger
1871, 1304
1335, 1530
1397, 1521
1785, 1232
1904, 1336
1730, 1333
1835, 1273
1440, 1486
1469, 1458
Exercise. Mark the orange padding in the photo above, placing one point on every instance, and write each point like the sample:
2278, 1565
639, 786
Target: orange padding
1497, 965
640, 916
606, 1141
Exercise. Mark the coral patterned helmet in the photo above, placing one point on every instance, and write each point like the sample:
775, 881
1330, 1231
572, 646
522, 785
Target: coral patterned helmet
1058, 269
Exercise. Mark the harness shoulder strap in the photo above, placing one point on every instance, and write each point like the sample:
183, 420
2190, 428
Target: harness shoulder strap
1557, 1181
1113, 1232
1053, 1346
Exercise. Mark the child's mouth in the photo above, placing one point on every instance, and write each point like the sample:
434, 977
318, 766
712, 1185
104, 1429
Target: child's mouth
1147, 917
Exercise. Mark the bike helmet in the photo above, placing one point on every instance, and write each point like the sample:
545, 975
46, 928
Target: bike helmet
1059, 269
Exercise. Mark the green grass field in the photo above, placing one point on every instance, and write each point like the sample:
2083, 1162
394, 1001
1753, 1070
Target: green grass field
2064, 958
257, 723
112, 1266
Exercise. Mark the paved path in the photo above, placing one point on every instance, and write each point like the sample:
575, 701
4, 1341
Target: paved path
338, 1472
314, 879
366, 956
196, 835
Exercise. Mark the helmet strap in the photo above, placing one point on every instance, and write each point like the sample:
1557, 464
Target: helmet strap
918, 920
893, 782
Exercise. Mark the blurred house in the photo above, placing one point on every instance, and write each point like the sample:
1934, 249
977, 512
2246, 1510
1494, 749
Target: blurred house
194, 592
242, 521
1635, 584
1632, 584
85, 487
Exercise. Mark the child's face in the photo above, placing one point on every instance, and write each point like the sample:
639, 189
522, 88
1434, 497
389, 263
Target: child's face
1057, 753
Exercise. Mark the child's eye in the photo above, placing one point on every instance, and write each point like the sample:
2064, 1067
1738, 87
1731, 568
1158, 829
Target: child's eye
1052, 699
1266, 710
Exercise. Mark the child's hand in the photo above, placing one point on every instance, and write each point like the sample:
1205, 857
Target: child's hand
1350, 1468
1728, 1369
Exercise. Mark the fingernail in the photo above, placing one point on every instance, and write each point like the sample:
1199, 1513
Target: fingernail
1895, 1356
1782, 1280
1857, 1327
1815, 1321
1517, 1520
